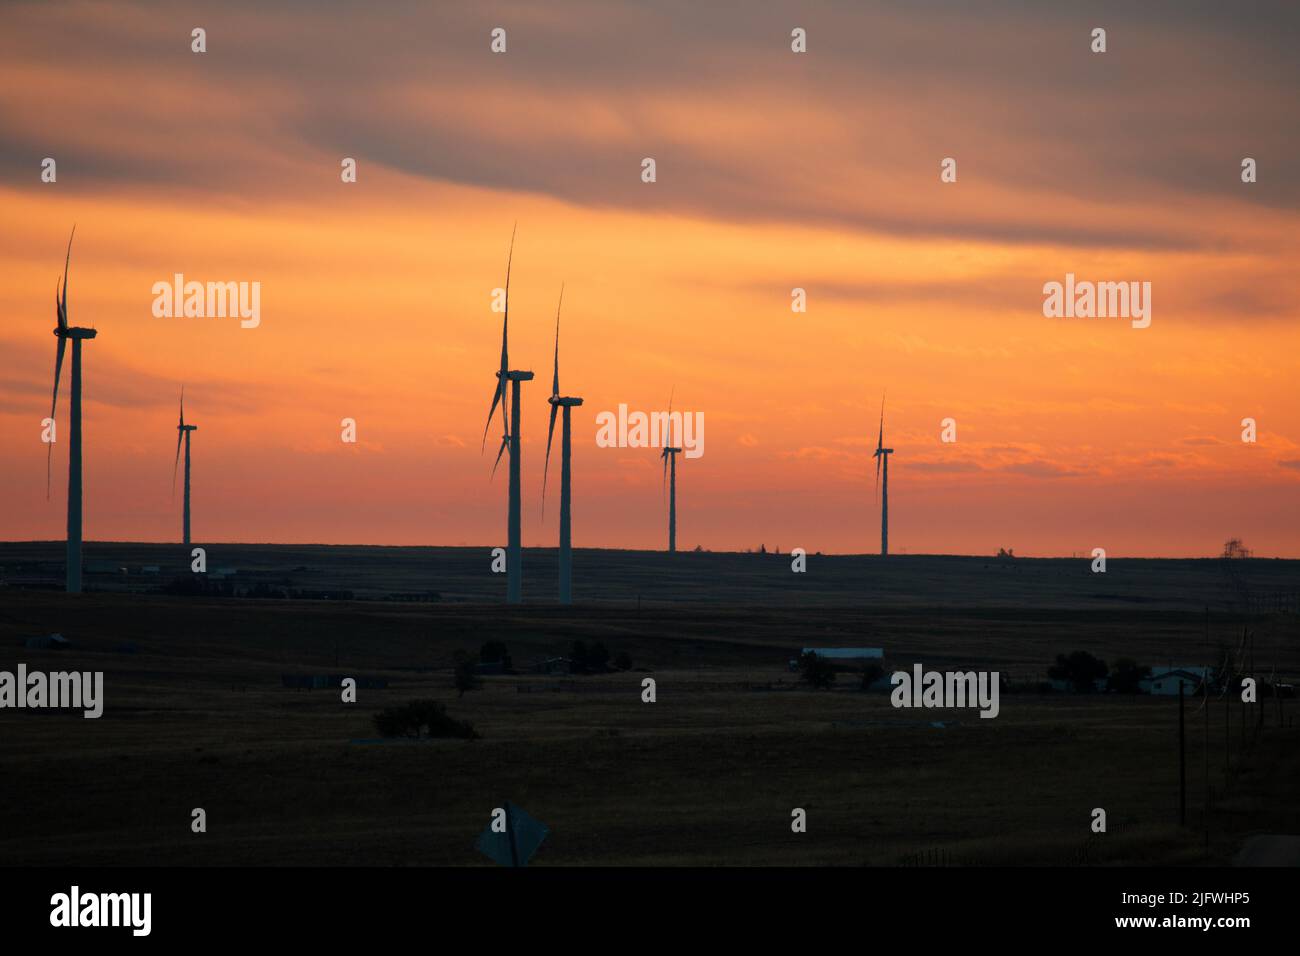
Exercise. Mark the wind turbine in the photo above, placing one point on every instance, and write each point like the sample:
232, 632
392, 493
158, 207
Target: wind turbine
882, 454
509, 439
669, 455
557, 402
183, 431
63, 333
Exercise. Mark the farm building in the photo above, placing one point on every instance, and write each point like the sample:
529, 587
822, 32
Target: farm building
841, 655
1165, 680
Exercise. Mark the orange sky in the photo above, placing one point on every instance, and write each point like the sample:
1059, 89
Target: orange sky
775, 170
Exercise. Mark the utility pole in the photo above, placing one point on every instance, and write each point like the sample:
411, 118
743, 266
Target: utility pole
510, 835
1182, 760
1205, 682
1227, 738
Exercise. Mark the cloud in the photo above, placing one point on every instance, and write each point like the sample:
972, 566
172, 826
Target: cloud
570, 113
1043, 469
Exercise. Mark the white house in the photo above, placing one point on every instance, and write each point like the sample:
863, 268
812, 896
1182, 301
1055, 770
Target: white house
1165, 680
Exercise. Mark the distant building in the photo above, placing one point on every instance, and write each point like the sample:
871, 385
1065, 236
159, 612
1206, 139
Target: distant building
47, 642
843, 655
847, 653
1165, 680
1069, 687
552, 665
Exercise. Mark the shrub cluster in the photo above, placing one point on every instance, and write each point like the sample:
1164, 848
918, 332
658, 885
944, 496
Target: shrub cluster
422, 718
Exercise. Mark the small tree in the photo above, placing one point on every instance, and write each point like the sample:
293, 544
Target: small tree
1126, 676
465, 677
1081, 669
623, 661
421, 718
870, 674
493, 652
816, 671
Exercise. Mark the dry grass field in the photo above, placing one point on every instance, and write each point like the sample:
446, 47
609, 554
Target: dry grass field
196, 714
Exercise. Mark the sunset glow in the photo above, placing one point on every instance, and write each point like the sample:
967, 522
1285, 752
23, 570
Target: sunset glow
376, 296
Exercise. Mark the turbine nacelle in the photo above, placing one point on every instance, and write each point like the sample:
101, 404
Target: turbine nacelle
75, 333
517, 376
564, 401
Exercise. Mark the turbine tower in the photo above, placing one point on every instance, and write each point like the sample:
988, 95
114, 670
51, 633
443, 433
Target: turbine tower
183, 431
557, 402
669, 456
882, 454
63, 333
509, 439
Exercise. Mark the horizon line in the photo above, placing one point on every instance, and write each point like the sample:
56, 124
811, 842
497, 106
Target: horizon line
826, 554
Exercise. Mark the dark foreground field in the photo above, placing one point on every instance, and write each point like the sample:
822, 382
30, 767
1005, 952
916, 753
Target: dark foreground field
196, 714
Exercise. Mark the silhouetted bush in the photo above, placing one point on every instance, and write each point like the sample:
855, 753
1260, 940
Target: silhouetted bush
263, 590
870, 674
493, 652
196, 585
1126, 676
422, 718
588, 660
465, 677
816, 671
1081, 669
623, 661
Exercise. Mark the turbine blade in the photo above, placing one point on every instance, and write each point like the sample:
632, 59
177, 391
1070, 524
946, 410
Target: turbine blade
497, 396
180, 433
664, 455
669, 426
505, 324
505, 440
555, 382
182, 424
550, 430
54, 401
63, 300
880, 438
500, 394
880, 442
